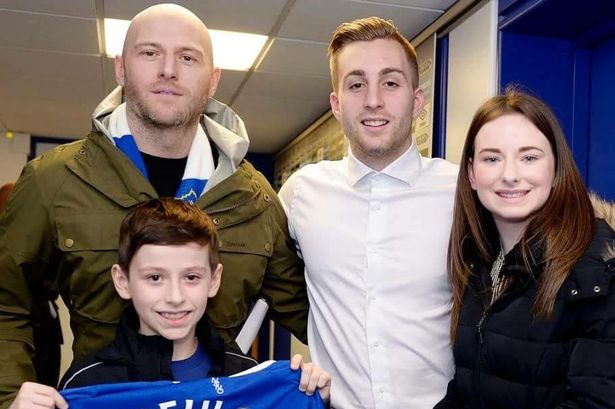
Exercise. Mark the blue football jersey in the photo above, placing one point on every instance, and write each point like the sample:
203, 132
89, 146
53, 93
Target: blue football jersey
267, 386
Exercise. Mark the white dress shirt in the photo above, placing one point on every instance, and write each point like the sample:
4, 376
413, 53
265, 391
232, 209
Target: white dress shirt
374, 245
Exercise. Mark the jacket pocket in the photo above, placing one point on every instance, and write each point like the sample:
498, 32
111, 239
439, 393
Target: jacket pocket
88, 231
89, 244
245, 250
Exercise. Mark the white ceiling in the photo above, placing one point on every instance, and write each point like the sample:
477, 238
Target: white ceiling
52, 74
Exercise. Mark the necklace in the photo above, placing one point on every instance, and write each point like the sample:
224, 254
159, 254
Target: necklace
498, 282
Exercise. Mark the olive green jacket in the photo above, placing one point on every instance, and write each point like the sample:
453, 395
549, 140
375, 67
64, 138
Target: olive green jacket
60, 232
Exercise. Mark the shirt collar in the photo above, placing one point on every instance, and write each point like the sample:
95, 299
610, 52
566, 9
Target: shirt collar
406, 168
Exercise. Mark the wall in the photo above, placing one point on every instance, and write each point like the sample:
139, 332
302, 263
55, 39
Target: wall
324, 139
13, 156
67, 335
472, 74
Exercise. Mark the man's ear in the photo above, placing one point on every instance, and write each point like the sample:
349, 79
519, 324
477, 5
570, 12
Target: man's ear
119, 70
419, 102
335, 105
216, 279
214, 79
471, 173
120, 281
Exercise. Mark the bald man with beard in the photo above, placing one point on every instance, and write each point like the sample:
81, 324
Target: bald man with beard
168, 139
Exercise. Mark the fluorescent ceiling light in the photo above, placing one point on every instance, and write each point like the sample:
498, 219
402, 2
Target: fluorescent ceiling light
115, 32
232, 50
236, 51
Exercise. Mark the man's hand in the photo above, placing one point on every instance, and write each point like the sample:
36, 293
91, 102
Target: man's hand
312, 378
37, 396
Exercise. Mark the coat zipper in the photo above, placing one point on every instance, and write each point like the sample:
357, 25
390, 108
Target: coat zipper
479, 356
480, 326
480, 331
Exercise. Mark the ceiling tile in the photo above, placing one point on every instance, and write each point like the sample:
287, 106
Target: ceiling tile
286, 85
269, 120
230, 81
75, 8
436, 5
48, 32
233, 15
51, 121
108, 73
66, 115
20, 64
67, 94
296, 57
316, 19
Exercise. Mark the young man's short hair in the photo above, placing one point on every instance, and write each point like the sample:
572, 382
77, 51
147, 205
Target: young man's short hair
166, 221
369, 29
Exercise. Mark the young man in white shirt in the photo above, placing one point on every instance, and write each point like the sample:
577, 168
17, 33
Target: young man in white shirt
373, 231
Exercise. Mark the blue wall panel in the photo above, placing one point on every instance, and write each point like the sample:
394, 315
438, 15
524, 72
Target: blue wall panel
578, 139
564, 52
601, 150
541, 66
439, 127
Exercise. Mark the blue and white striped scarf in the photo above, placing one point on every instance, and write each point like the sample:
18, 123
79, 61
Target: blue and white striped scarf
199, 167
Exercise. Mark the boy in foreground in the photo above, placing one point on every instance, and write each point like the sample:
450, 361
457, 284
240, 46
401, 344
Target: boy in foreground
168, 266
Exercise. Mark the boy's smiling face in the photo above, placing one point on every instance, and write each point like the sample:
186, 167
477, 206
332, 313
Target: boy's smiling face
169, 286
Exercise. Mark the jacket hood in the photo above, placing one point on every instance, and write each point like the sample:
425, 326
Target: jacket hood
606, 211
221, 124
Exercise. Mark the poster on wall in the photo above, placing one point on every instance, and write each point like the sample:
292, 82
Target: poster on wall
422, 127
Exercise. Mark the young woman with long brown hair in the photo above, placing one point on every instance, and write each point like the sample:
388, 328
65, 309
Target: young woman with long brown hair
532, 269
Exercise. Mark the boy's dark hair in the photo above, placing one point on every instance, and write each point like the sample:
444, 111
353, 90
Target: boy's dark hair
166, 221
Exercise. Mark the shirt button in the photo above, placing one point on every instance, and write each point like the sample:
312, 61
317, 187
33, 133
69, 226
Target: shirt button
597, 289
268, 247
69, 243
375, 205
574, 291
216, 221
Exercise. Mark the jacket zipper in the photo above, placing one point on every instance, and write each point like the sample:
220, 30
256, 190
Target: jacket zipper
480, 326
479, 356
480, 332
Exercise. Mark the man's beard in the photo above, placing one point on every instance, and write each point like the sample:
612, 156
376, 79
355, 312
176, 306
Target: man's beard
149, 117
400, 135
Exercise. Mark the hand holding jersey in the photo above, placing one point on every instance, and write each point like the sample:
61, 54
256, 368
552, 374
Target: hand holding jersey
312, 378
35, 395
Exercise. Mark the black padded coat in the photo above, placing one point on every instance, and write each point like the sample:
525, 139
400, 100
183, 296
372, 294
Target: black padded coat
507, 360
